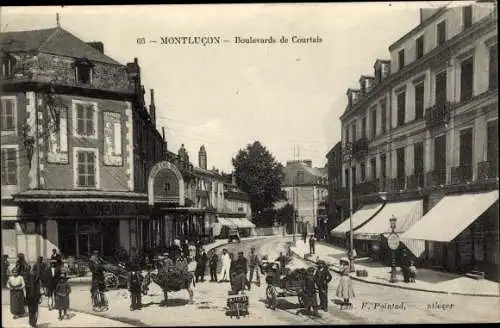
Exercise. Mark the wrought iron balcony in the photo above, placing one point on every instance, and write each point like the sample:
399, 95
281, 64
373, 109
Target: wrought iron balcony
360, 148
461, 174
416, 180
487, 170
436, 177
438, 114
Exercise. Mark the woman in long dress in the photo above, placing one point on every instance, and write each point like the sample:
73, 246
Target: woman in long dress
16, 286
345, 290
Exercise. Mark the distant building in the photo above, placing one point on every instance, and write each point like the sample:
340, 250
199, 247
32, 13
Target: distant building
305, 187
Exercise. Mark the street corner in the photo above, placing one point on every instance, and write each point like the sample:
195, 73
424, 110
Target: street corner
48, 318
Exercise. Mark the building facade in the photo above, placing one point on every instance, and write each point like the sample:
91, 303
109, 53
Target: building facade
71, 126
305, 187
334, 167
423, 129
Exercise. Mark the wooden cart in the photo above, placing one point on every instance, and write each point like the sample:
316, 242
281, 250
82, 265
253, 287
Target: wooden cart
282, 285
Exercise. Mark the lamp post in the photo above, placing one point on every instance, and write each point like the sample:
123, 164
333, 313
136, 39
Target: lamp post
393, 243
348, 159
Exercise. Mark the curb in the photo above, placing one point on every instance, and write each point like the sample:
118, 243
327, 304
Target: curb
402, 287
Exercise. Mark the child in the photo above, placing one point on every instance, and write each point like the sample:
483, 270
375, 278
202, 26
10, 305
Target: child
413, 271
61, 295
135, 286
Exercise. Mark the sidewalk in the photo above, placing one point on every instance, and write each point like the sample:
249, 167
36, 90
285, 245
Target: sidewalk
427, 280
48, 318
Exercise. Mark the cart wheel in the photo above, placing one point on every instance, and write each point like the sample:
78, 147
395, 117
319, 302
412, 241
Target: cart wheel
111, 281
271, 297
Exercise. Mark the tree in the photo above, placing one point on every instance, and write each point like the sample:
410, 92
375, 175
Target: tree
285, 216
259, 175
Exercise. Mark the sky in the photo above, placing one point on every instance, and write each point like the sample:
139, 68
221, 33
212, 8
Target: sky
288, 96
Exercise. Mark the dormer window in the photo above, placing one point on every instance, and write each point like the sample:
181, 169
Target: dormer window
7, 63
83, 71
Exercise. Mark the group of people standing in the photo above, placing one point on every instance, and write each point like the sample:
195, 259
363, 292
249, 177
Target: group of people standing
28, 283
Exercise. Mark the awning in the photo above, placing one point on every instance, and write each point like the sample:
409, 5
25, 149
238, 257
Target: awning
80, 196
10, 213
242, 223
450, 216
359, 217
407, 214
225, 222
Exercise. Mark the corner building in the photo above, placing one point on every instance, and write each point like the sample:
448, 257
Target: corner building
424, 130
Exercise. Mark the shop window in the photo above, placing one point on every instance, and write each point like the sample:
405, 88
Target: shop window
9, 166
8, 114
85, 119
86, 167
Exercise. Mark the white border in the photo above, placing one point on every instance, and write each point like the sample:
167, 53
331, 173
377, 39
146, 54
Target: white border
74, 119
75, 168
14, 132
16, 147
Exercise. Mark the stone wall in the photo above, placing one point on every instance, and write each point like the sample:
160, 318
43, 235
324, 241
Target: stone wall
60, 70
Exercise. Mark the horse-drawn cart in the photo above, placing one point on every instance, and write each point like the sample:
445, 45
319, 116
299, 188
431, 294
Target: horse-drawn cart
288, 284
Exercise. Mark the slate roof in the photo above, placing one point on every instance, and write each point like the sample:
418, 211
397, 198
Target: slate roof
56, 41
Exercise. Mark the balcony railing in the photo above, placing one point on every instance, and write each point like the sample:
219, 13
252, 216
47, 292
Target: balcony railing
416, 180
436, 177
438, 114
487, 170
461, 174
360, 148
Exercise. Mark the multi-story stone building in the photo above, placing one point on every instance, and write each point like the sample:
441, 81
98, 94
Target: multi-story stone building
305, 187
76, 143
424, 129
334, 167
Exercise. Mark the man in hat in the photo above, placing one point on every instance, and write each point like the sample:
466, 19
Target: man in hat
33, 295
322, 278
134, 286
254, 266
241, 267
309, 290
312, 244
214, 259
226, 265
201, 263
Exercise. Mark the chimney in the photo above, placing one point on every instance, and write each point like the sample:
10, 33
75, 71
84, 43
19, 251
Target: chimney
99, 46
152, 108
202, 158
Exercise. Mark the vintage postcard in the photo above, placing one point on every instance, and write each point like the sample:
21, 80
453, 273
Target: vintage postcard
249, 164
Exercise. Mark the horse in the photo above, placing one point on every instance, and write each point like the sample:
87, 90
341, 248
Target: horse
162, 276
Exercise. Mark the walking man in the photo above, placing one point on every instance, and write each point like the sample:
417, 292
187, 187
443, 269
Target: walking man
309, 290
135, 284
33, 296
213, 266
226, 265
322, 278
254, 266
201, 264
312, 244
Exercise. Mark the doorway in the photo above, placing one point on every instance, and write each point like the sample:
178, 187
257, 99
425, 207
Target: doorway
84, 243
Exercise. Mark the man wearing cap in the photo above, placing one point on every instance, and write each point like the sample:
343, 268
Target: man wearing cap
322, 278
254, 265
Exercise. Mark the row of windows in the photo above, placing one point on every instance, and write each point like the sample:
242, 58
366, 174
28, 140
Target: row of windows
466, 93
440, 36
465, 157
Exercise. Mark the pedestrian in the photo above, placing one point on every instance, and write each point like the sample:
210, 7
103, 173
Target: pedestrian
22, 266
99, 301
304, 235
33, 295
54, 255
52, 279
312, 244
5, 270
282, 260
344, 289
16, 285
41, 270
213, 266
201, 264
135, 288
226, 265
322, 278
405, 266
413, 271
309, 292
61, 295
242, 268
254, 266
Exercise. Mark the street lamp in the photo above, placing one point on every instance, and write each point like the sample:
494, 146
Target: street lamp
393, 243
